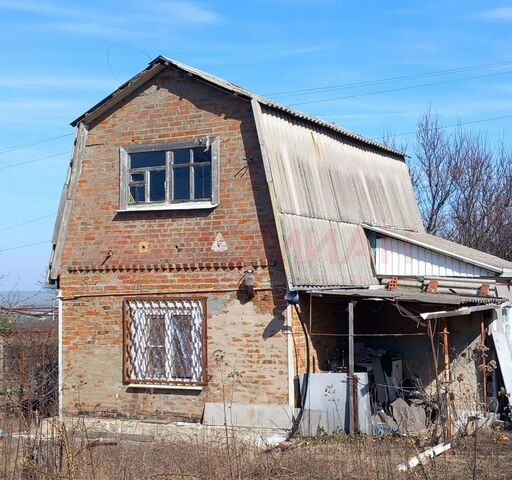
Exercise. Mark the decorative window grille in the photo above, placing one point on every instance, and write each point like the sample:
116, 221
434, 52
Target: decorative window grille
164, 341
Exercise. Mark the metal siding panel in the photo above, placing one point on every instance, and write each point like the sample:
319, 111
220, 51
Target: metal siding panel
463, 256
404, 259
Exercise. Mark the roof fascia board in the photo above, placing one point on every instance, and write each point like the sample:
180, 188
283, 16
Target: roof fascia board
120, 94
67, 203
256, 110
447, 253
460, 311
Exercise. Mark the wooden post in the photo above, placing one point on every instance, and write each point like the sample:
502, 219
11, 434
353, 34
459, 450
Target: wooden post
352, 399
484, 361
447, 379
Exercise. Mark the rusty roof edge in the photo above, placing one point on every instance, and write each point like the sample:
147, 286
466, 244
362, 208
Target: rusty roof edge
383, 294
152, 69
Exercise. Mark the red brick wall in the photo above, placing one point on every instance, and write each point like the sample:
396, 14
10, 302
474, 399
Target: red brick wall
179, 259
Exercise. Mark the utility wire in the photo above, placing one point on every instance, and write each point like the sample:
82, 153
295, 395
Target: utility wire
409, 87
443, 127
23, 246
26, 222
366, 83
11, 165
34, 142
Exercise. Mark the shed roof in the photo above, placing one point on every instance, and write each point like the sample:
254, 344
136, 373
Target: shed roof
411, 296
446, 247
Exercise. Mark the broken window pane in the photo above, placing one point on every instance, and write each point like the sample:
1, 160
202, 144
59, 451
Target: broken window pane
202, 182
202, 155
137, 177
181, 345
169, 176
157, 186
137, 194
181, 183
147, 159
181, 156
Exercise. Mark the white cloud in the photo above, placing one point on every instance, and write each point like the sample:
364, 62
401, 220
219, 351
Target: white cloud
42, 8
178, 11
500, 14
136, 18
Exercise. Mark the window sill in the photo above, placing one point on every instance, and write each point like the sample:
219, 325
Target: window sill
165, 387
175, 206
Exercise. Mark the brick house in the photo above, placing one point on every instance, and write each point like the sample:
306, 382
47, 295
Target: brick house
211, 244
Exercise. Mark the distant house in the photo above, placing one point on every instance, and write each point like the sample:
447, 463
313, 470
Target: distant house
211, 241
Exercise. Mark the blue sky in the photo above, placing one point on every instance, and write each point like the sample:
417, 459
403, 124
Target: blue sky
60, 58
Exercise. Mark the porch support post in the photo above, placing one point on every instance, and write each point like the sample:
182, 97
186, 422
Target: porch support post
447, 379
483, 334
353, 426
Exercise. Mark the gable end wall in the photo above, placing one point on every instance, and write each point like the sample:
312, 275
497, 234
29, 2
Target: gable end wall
179, 261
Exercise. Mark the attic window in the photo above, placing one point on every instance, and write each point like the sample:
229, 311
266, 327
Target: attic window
170, 175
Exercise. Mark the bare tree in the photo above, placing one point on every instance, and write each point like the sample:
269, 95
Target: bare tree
463, 186
433, 169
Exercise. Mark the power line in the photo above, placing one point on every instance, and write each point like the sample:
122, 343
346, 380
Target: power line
23, 246
32, 220
410, 87
443, 127
12, 165
32, 143
365, 83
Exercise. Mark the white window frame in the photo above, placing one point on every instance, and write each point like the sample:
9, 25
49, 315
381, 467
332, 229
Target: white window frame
137, 312
168, 204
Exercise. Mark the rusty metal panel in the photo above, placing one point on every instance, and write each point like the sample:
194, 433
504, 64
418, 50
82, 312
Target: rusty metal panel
326, 253
320, 174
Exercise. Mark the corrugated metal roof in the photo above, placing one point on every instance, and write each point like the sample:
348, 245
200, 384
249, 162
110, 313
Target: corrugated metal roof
408, 296
320, 175
323, 188
446, 247
160, 62
326, 253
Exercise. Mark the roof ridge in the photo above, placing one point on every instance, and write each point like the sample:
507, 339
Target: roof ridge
152, 67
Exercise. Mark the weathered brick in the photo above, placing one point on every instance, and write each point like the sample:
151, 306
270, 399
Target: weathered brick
179, 261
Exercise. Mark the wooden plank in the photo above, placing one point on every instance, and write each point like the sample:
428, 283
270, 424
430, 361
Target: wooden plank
350, 382
69, 192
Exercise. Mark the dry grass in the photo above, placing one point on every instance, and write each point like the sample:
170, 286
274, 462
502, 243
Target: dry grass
72, 455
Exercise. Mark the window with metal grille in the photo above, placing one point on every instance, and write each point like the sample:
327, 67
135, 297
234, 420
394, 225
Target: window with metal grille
170, 175
164, 341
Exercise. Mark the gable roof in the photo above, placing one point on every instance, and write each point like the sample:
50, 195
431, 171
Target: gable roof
327, 185
160, 63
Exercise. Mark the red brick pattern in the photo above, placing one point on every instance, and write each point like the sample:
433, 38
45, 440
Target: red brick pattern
179, 258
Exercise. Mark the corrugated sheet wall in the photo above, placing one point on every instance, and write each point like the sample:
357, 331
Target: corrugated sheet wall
395, 257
